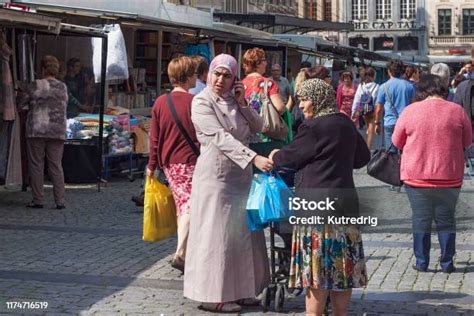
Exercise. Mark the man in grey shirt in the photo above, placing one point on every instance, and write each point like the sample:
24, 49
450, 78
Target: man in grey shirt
283, 83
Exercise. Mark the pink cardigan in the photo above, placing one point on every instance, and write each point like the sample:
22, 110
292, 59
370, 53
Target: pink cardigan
432, 135
339, 94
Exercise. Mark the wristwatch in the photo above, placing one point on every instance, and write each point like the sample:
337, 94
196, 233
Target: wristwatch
377, 122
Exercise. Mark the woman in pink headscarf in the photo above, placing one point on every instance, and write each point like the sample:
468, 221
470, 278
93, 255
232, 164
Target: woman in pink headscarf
226, 264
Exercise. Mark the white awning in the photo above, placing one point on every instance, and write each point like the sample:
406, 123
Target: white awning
449, 58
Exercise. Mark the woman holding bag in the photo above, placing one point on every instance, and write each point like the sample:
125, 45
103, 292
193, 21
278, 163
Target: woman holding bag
169, 148
227, 265
326, 150
257, 88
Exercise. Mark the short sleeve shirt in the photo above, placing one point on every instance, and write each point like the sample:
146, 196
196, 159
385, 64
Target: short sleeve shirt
395, 94
254, 90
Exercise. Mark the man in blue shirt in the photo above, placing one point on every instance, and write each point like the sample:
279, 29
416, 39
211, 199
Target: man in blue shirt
393, 96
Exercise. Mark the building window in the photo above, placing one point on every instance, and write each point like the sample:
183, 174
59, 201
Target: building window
383, 9
360, 42
312, 12
467, 21
327, 10
444, 22
407, 43
233, 6
383, 43
359, 10
408, 9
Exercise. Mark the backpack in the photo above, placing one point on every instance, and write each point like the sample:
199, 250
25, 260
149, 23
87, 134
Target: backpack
367, 103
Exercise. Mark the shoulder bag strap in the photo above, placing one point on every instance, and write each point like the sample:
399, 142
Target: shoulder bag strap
373, 88
265, 88
183, 131
392, 107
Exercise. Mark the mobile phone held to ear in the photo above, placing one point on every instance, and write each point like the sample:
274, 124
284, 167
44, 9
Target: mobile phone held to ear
236, 79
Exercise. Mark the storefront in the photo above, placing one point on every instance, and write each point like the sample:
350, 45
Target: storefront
23, 37
150, 43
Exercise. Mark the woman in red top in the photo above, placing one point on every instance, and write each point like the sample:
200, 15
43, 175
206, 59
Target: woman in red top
432, 166
169, 149
255, 64
345, 93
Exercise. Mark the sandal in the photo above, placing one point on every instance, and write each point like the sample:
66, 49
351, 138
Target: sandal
221, 307
248, 302
60, 206
34, 205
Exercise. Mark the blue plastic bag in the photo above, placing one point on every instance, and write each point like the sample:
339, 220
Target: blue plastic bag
256, 196
275, 206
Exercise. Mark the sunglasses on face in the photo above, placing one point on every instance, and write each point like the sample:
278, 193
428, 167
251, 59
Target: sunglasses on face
226, 75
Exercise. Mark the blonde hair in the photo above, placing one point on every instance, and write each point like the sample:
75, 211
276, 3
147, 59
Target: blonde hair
50, 65
180, 69
300, 78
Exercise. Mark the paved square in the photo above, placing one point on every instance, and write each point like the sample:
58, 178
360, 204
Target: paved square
89, 258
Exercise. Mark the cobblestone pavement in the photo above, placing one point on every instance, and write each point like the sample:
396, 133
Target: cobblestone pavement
89, 258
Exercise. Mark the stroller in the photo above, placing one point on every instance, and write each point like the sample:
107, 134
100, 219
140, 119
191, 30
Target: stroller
280, 256
280, 260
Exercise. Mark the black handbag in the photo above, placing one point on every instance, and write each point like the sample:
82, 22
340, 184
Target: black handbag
385, 166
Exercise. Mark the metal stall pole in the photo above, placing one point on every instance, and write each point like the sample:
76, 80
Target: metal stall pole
102, 107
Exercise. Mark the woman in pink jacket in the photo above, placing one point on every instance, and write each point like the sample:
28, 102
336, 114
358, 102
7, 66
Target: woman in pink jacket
432, 167
345, 94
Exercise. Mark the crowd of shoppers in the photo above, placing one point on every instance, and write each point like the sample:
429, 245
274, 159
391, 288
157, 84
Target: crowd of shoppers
225, 264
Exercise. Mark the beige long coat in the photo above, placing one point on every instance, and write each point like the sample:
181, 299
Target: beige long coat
224, 260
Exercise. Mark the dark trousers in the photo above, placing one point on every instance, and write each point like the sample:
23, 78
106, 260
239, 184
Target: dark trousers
438, 204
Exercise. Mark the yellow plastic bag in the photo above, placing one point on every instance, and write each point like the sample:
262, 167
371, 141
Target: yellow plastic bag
159, 214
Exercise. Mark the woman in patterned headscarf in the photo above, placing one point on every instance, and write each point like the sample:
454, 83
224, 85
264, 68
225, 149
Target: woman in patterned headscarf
324, 153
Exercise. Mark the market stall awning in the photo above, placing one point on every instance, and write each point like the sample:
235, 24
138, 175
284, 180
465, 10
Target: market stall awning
285, 23
449, 58
35, 21
221, 31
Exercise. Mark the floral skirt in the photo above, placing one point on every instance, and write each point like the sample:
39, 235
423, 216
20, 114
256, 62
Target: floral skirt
180, 178
327, 257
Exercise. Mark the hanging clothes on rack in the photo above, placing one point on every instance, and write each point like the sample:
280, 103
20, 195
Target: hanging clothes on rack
26, 49
7, 102
5, 132
14, 176
10, 157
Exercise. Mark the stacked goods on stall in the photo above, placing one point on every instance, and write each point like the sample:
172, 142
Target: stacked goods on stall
173, 45
146, 61
129, 93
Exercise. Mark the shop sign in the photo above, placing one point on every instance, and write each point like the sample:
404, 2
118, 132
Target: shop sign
18, 7
456, 51
405, 25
